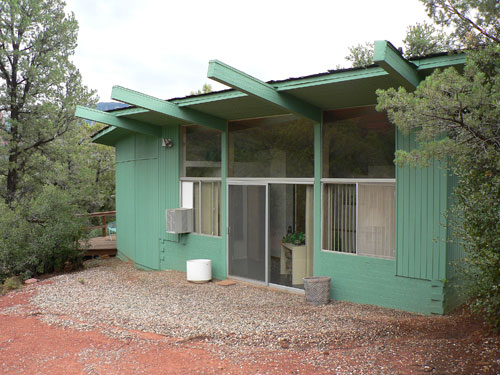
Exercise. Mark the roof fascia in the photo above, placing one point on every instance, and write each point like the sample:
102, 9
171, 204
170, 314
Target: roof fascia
389, 58
102, 133
124, 123
169, 109
440, 61
238, 80
326, 79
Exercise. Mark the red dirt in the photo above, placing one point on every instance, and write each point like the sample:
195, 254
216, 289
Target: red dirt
456, 344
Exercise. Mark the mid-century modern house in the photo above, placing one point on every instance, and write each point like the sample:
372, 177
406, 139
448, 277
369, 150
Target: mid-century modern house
287, 179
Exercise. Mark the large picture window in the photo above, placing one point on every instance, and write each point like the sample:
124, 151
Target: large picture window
358, 143
358, 182
279, 146
200, 177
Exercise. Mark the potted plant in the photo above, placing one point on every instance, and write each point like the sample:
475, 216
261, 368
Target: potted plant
295, 238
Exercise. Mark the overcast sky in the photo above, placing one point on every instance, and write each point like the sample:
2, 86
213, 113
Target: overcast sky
162, 48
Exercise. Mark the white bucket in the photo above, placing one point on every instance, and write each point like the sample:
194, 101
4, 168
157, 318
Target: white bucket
199, 270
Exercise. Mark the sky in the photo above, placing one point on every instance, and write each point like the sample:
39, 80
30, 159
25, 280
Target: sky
162, 48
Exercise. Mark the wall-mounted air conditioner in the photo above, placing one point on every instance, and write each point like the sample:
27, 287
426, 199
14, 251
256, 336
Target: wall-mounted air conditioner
179, 220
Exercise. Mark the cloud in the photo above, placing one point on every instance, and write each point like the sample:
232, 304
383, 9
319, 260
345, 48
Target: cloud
163, 48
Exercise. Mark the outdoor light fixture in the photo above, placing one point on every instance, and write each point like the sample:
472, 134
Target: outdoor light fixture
167, 142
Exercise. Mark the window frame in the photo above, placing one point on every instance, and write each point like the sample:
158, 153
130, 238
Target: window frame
356, 182
200, 180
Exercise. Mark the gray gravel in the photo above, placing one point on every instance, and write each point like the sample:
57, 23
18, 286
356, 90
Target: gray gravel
113, 293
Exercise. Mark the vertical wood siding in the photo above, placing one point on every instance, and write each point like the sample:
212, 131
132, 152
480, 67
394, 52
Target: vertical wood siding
125, 196
421, 202
137, 199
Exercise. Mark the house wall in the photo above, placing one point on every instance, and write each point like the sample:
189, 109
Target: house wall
147, 176
421, 204
413, 280
137, 199
148, 182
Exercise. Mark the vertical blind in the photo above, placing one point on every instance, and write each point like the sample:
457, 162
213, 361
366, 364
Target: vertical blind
359, 218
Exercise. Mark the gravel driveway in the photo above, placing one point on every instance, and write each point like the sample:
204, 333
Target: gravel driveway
241, 322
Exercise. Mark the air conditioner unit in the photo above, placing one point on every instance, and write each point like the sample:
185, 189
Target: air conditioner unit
179, 220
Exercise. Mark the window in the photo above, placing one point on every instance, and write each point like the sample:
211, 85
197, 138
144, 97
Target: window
279, 146
200, 181
359, 218
201, 151
205, 202
358, 143
358, 182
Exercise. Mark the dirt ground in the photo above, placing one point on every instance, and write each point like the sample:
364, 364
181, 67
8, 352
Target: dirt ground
458, 344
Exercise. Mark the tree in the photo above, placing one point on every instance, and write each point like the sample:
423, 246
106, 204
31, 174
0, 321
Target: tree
425, 39
360, 55
421, 39
456, 115
39, 86
204, 90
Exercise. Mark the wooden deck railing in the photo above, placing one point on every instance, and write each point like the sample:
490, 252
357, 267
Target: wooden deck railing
103, 215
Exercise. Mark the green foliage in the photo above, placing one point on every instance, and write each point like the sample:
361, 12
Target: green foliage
360, 55
204, 90
297, 238
11, 283
40, 235
476, 221
424, 39
86, 170
474, 22
39, 88
456, 116
48, 170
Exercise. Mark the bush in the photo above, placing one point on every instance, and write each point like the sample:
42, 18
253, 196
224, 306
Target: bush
477, 224
9, 284
40, 235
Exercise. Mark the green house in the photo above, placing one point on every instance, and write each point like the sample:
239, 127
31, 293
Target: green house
287, 179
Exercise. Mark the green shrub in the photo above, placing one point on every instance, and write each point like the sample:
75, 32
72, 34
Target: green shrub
11, 283
477, 224
40, 235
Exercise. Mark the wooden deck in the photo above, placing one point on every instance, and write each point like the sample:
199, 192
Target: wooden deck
102, 246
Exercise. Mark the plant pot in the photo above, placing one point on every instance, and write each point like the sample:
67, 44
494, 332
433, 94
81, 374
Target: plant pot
317, 290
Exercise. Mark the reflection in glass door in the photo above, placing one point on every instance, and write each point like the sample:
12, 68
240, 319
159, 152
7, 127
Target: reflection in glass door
247, 231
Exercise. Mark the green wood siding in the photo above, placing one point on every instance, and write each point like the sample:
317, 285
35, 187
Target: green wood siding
125, 207
421, 202
146, 214
170, 176
369, 280
137, 199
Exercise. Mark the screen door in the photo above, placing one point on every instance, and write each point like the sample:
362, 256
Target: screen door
247, 231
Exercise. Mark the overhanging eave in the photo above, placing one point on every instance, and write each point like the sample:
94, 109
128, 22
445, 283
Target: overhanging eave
166, 108
241, 81
124, 123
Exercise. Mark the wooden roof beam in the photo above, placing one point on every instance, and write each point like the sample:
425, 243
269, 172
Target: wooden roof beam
164, 107
391, 60
227, 75
119, 122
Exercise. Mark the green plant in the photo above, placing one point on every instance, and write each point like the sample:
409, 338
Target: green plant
40, 235
11, 283
297, 238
